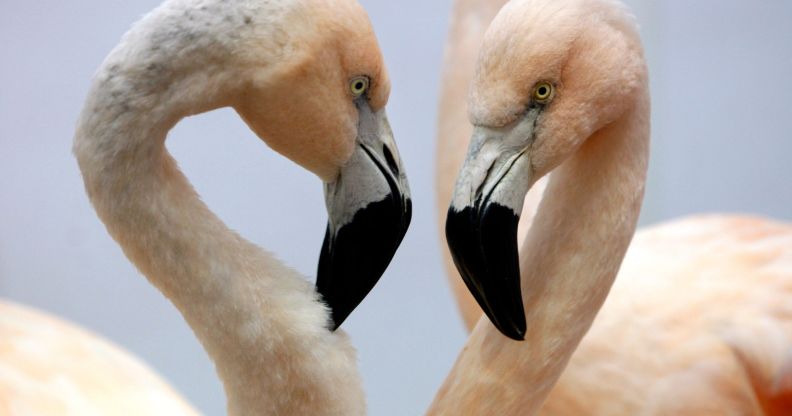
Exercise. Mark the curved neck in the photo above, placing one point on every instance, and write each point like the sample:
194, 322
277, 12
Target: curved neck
569, 260
260, 322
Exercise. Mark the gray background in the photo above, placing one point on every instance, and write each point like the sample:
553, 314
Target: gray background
721, 142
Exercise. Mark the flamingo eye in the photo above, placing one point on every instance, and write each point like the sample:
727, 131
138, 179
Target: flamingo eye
543, 92
358, 86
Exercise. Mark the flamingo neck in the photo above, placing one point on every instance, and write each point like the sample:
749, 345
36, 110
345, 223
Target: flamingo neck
260, 321
569, 261
485, 9
575, 247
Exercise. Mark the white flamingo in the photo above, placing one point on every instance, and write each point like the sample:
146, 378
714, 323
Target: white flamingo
307, 76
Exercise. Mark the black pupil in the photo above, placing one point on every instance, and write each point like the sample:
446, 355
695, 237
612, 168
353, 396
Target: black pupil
358, 85
542, 91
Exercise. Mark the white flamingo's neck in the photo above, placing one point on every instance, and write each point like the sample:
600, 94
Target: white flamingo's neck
568, 263
259, 321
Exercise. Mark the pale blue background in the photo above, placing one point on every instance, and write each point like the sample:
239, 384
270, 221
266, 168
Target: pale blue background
722, 109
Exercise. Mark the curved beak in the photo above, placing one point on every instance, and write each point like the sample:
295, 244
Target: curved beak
481, 228
369, 210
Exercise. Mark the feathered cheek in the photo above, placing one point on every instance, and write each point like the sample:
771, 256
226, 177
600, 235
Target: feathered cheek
344, 140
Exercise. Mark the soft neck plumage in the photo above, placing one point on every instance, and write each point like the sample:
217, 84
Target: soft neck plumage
260, 321
568, 262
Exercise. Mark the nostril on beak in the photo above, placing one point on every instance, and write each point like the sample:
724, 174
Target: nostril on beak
391, 161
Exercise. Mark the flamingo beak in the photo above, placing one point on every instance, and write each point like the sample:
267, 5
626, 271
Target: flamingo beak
481, 227
369, 211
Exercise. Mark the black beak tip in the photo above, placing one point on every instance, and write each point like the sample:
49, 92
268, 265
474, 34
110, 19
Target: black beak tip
514, 329
483, 245
337, 316
516, 336
353, 260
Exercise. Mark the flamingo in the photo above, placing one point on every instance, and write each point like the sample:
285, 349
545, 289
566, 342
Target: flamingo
699, 321
308, 78
52, 367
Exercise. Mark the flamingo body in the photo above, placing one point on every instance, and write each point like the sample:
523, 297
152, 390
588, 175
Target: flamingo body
699, 321
51, 367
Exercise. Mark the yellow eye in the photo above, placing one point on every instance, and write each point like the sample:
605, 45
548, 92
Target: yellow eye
543, 92
358, 86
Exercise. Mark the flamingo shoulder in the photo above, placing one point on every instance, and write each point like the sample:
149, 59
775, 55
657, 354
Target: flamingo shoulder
699, 321
51, 367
